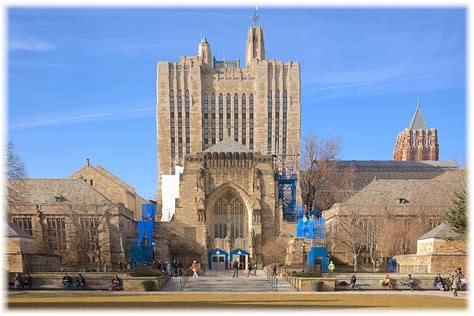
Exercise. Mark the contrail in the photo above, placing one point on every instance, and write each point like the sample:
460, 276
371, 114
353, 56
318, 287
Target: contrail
83, 117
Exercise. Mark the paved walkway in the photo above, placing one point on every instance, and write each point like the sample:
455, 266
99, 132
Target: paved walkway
222, 282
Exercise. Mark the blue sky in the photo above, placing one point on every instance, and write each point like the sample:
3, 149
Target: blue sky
81, 82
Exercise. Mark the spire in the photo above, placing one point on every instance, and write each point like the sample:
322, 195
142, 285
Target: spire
255, 50
255, 17
418, 122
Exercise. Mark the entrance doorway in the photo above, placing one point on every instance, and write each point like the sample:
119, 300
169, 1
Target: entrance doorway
242, 257
218, 262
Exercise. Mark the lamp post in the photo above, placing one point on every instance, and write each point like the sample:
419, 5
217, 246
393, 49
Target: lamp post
304, 255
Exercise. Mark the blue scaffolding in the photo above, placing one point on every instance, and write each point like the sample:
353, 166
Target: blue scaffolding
143, 251
287, 193
309, 225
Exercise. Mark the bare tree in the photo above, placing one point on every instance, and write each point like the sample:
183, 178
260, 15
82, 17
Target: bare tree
15, 171
323, 181
92, 232
350, 236
274, 251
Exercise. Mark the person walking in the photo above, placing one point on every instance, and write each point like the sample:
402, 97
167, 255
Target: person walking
195, 269
274, 270
353, 282
456, 281
249, 269
235, 266
168, 268
255, 269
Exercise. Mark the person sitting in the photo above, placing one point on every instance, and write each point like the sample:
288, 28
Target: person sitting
115, 283
353, 282
386, 281
67, 281
27, 281
439, 282
408, 282
17, 281
80, 282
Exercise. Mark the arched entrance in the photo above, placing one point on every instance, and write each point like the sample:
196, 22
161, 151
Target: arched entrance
242, 257
218, 259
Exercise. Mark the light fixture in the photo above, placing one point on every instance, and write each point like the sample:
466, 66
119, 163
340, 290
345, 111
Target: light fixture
239, 252
218, 252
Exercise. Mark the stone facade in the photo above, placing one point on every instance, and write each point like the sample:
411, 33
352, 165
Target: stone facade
70, 219
228, 200
112, 187
200, 99
438, 251
399, 199
417, 142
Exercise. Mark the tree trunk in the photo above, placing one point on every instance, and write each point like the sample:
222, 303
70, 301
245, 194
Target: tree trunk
355, 263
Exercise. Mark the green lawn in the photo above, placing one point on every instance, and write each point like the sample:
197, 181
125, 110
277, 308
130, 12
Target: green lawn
337, 301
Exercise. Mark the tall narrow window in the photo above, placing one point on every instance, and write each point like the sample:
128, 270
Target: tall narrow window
285, 126
180, 125
213, 118
56, 232
172, 135
269, 130
244, 119
251, 121
277, 122
221, 117
228, 114
186, 115
236, 117
205, 122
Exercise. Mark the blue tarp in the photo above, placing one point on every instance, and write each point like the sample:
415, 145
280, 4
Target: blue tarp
145, 228
321, 253
148, 211
141, 254
310, 228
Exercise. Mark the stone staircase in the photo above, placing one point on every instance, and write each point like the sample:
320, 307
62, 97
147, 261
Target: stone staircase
222, 281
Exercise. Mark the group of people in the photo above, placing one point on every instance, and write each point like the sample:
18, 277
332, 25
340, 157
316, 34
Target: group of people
79, 282
171, 268
22, 282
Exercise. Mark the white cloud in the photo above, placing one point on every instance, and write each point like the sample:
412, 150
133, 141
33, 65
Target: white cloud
30, 45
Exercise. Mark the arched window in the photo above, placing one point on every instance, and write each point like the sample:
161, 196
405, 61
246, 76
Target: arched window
229, 217
221, 117
213, 118
277, 122
236, 117
228, 114
251, 121
172, 135
205, 121
180, 125
269, 129
186, 115
244, 119
285, 126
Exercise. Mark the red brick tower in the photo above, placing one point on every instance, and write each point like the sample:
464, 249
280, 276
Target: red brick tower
417, 141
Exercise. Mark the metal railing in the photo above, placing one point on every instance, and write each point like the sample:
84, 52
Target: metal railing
183, 279
272, 279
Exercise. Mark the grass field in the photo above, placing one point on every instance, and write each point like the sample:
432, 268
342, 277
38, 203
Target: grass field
213, 300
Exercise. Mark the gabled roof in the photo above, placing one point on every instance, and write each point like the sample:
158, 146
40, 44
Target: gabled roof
228, 145
14, 231
441, 231
417, 122
56, 192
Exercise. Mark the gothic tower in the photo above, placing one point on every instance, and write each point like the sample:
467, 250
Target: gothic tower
417, 141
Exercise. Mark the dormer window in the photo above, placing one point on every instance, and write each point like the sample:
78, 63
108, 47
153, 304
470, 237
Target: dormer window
59, 198
402, 201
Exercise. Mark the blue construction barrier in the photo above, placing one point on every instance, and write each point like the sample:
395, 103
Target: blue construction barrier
146, 227
287, 193
141, 254
319, 255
